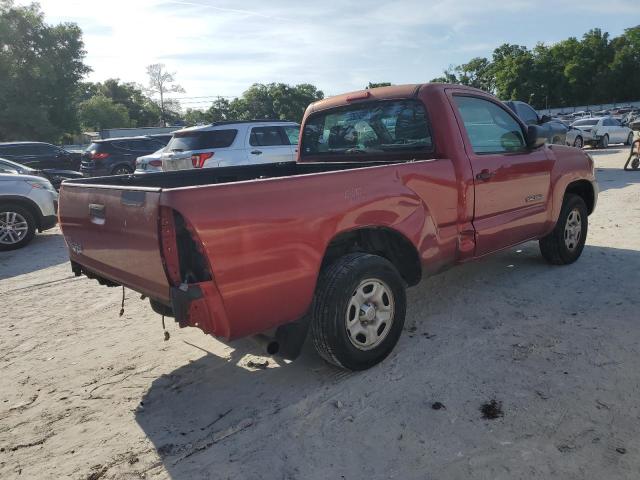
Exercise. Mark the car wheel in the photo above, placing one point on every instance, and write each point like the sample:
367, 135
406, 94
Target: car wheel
17, 227
578, 142
565, 243
604, 141
629, 139
358, 311
121, 170
635, 163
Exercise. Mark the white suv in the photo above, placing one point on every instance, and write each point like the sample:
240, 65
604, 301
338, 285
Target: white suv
224, 144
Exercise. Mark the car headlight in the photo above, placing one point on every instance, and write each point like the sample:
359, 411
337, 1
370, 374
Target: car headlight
41, 184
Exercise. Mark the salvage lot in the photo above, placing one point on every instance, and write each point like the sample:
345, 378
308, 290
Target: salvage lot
87, 394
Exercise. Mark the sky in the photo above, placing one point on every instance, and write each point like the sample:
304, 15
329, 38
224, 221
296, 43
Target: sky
221, 47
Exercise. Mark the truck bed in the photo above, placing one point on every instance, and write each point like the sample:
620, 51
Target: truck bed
214, 176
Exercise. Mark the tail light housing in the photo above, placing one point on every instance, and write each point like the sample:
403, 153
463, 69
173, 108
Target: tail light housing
98, 155
198, 159
155, 163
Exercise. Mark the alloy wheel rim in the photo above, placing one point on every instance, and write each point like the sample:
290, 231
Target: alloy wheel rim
13, 228
370, 314
573, 230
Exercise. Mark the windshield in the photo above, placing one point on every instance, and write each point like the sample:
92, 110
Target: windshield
585, 123
372, 128
201, 139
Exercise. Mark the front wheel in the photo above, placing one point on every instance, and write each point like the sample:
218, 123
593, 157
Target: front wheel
604, 141
358, 311
565, 243
578, 143
629, 139
17, 227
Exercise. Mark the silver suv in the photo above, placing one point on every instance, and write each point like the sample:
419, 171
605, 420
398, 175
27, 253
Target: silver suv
27, 204
224, 144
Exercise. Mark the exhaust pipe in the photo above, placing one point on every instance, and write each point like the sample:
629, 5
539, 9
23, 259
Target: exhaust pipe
271, 345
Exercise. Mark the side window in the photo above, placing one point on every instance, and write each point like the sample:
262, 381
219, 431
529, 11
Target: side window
266, 137
293, 134
527, 114
491, 129
615, 122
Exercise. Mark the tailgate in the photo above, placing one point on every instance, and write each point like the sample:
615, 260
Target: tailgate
113, 232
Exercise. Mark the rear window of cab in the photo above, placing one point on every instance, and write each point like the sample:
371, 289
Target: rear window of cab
202, 139
377, 128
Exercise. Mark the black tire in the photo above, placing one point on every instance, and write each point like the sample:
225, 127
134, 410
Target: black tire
28, 217
635, 163
604, 141
578, 142
122, 170
554, 246
333, 302
629, 139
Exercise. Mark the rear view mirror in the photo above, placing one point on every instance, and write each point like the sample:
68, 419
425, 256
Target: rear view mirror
535, 136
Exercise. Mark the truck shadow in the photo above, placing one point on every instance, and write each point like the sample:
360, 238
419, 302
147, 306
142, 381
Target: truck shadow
217, 417
45, 250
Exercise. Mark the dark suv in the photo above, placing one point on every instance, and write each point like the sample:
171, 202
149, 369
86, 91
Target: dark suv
117, 156
40, 155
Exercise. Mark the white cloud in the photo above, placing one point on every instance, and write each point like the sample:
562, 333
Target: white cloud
221, 47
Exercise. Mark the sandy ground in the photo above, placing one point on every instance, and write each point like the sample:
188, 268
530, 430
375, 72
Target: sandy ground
86, 394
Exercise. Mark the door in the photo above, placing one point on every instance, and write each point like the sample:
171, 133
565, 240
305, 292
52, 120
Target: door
511, 182
618, 130
269, 144
293, 135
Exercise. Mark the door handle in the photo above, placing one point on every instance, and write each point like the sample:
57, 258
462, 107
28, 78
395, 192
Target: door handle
485, 175
256, 152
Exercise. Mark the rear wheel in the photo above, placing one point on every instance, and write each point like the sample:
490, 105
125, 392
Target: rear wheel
122, 170
565, 243
629, 139
578, 142
358, 311
17, 227
635, 163
604, 141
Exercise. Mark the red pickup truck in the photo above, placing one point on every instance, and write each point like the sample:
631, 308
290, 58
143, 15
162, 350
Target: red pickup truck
391, 184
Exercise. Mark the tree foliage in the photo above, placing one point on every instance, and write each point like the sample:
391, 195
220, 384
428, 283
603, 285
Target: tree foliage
40, 68
100, 112
273, 101
596, 69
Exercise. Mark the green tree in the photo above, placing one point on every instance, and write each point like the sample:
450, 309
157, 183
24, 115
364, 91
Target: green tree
378, 84
274, 100
100, 112
41, 66
143, 112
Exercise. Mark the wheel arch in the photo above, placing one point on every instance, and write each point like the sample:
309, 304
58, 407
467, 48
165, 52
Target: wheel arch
383, 241
584, 189
25, 203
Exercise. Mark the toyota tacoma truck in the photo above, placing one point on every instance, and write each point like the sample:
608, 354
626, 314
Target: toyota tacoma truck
390, 185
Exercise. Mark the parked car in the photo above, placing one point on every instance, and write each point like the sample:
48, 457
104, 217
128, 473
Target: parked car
40, 155
54, 176
576, 137
224, 144
27, 204
150, 163
605, 130
555, 132
117, 156
391, 184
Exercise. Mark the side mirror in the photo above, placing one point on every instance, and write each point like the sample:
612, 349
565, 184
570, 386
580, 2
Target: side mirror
535, 137
545, 118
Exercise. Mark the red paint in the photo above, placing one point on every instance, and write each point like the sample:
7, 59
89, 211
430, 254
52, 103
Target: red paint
265, 239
